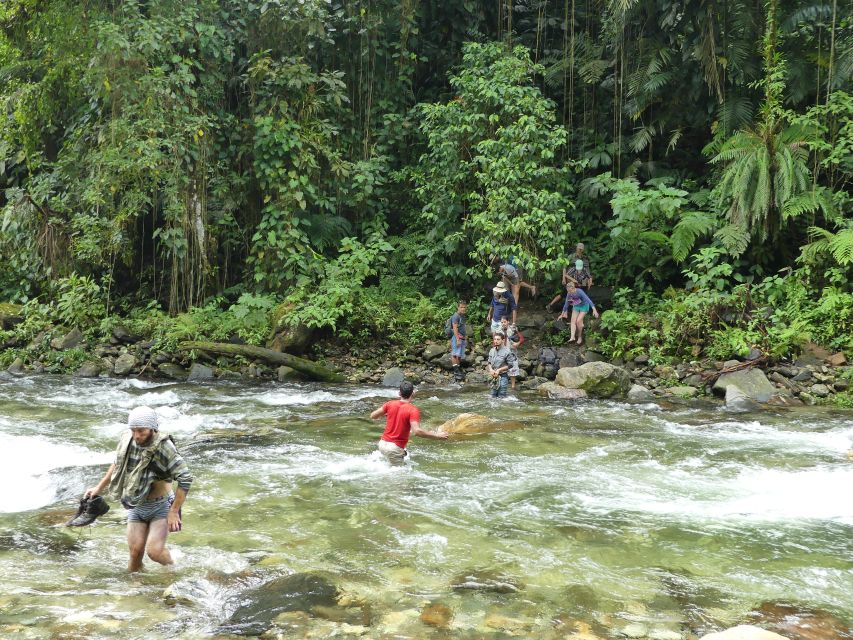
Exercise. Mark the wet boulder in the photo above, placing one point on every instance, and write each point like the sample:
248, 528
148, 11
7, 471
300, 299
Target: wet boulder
475, 424
124, 364
737, 400
296, 592
752, 384
638, 393
89, 369
598, 379
554, 391
172, 370
393, 377
17, 367
199, 373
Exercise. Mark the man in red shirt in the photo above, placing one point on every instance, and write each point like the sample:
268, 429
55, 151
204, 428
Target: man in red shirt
403, 420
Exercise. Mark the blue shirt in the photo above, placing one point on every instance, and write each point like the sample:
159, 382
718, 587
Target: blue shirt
576, 300
505, 308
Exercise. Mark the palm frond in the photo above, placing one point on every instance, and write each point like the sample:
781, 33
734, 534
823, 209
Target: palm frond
692, 225
734, 238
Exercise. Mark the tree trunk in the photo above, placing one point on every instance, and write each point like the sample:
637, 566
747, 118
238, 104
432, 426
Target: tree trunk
307, 367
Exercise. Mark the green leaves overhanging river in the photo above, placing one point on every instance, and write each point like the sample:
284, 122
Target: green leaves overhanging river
638, 520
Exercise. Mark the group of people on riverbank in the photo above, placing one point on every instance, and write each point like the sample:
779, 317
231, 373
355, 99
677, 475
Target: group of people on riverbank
502, 361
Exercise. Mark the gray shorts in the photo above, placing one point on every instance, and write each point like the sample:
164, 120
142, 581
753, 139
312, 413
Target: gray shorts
393, 454
151, 510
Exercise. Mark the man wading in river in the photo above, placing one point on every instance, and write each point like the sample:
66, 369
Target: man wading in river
403, 419
146, 464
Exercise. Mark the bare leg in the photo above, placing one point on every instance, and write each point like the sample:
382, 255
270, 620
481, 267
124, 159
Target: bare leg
572, 325
137, 533
157, 532
516, 290
529, 287
579, 321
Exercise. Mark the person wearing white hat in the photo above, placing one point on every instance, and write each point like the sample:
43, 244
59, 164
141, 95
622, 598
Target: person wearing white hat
502, 304
145, 466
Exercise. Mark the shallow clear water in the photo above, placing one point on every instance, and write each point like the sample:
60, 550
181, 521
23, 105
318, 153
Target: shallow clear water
655, 522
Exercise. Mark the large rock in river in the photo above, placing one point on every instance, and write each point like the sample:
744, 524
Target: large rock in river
296, 592
752, 383
598, 379
473, 424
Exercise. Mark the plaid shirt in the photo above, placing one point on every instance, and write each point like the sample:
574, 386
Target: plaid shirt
165, 464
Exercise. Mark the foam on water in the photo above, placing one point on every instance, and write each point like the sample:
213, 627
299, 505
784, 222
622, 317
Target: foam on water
25, 463
296, 396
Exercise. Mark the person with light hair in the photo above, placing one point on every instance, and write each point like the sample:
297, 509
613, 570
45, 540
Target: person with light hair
146, 464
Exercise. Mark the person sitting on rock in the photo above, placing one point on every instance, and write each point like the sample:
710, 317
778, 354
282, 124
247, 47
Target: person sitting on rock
501, 359
580, 304
402, 420
503, 303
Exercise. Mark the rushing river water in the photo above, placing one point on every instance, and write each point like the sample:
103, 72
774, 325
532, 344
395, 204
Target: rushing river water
632, 520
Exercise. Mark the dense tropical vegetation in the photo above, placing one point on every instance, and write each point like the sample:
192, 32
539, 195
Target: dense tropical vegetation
196, 164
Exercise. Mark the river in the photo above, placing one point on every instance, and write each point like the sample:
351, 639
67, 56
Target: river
612, 519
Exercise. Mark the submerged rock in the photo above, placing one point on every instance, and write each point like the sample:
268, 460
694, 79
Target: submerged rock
474, 424
436, 615
485, 581
744, 632
296, 592
800, 623
598, 379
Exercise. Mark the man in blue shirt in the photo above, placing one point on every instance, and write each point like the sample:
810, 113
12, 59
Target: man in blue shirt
503, 303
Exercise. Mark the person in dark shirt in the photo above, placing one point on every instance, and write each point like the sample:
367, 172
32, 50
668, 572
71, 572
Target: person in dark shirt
459, 339
502, 304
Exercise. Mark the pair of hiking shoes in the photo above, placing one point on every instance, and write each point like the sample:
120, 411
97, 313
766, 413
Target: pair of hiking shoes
89, 510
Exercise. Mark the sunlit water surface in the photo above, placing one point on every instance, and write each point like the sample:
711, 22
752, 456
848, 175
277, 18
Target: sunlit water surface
632, 519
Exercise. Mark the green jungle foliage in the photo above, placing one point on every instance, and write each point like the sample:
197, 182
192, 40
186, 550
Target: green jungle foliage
190, 166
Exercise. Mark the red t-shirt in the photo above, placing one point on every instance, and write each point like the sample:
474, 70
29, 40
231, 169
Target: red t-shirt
401, 415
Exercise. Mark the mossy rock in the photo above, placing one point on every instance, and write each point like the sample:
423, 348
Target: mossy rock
285, 337
10, 314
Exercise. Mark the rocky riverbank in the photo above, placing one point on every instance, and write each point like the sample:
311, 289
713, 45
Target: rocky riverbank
559, 372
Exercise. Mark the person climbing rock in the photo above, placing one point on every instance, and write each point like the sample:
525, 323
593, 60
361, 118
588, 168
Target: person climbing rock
577, 272
580, 304
502, 304
146, 464
403, 419
511, 276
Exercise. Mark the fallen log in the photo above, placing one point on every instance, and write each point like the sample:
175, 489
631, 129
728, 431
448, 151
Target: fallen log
310, 369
